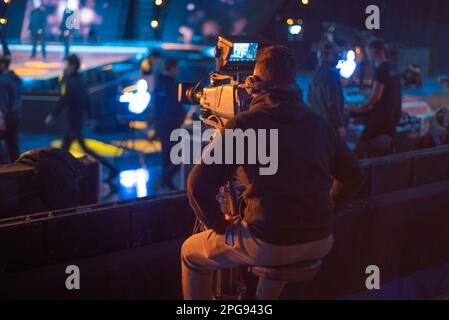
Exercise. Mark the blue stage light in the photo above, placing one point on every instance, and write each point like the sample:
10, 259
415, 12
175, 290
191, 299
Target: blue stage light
347, 67
295, 29
137, 99
209, 52
135, 179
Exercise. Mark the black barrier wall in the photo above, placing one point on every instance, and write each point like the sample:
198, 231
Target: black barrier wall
401, 226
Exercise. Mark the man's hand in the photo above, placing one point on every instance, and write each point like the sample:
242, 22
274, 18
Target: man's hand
233, 219
66, 33
40, 31
49, 119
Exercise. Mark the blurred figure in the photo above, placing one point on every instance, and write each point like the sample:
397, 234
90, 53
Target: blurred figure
384, 105
3, 21
75, 98
169, 114
412, 74
38, 21
152, 67
325, 90
10, 107
70, 22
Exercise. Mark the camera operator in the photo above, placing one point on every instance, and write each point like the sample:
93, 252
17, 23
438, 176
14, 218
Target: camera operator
384, 105
75, 98
325, 90
10, 107
169, 115
286, 217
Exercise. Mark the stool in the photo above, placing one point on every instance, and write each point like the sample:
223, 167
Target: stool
272, 280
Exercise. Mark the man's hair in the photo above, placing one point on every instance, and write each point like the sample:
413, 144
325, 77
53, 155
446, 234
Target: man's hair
6, 60
75, 61
170, 64
377, 46
325, 48
276, 64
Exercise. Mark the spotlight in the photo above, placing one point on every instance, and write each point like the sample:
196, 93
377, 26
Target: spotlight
295, 29
154, 24
347, 67
190, 6
137, 97
290, 21
158, 2
3, 21
305, 2
135, 178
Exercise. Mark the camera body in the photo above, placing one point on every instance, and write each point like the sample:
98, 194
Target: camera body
225, 96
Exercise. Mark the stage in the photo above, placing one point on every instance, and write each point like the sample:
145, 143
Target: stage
53, 66
94, 57
41, 75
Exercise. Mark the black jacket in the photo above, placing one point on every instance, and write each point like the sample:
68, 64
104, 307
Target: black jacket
38, 20
10, 93
169, 113
293, 206
75, 98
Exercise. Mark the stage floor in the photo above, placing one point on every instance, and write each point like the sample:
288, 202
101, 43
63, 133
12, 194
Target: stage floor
53, 65
92, 56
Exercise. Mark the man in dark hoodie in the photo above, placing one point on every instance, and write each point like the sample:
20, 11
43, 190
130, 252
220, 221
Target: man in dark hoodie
38, 21
169, 115
75, 97
286, 217
10, 107
325, 90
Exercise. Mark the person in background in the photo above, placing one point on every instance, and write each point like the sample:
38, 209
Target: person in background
151, 68
325, 96
169, 115
384, 105
68, 24
3, 22
10, 107
412, 74
75, 98
38, 21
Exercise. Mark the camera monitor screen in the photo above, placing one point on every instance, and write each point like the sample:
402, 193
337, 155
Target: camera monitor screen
244, 52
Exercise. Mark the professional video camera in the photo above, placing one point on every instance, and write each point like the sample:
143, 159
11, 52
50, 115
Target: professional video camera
226, 95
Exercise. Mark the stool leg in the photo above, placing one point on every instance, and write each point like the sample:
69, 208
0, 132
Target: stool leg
269, 289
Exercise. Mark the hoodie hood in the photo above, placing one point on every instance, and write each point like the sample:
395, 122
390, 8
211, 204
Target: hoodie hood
285, 106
